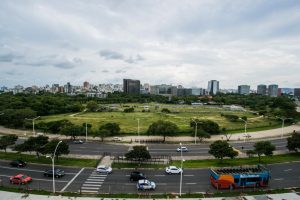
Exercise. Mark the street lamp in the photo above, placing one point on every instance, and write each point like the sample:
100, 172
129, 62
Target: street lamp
33, 123
245, 134
139, 130
181, 170
52, 158
283, 120
85, 131
195, 129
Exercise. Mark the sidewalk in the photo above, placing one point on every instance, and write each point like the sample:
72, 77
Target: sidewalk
14, 196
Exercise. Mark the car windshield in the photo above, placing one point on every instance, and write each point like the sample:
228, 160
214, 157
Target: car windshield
24, 176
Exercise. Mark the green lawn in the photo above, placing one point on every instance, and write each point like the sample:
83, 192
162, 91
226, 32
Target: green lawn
43, 160
181, 115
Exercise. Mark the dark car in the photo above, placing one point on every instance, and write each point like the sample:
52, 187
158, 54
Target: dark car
18, 163
58, 173
135, 176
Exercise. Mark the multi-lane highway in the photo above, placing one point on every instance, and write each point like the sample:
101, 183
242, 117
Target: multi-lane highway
98, 148
86, 180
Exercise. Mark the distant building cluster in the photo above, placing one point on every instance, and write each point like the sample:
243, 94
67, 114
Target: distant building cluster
131, 86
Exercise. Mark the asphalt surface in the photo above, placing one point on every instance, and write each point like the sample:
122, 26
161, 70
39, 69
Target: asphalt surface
96, 148
86, 180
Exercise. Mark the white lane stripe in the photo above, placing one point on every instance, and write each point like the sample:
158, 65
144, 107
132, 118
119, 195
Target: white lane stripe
90, 185
278, 179
29, 170
71, 181
93, 175
89, 191
127, 175
96, 180
191, 183
286, 170
90, 188
189, 175
92, 182
159, 175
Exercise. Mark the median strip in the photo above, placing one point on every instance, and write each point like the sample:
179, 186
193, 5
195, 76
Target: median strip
71, 181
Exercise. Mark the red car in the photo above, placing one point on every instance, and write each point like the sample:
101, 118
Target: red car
20, 179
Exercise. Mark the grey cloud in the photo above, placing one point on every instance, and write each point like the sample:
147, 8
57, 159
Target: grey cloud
137, 58
9, 57
13, 73
119, 71
104, 71
111, 55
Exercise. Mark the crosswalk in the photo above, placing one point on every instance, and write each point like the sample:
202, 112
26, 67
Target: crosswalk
93, 183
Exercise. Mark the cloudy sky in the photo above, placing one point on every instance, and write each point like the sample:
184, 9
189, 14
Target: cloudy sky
156, 41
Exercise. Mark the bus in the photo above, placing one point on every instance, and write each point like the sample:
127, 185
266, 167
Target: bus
239, 177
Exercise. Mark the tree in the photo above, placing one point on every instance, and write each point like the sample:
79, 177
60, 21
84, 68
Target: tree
35, 144
165, 110
208, 126
92, 106
202, 134
263, 147
63, 148
220, 149
293, 142
7, 140
108, 129
139, 153
164, 128
128, 110
73, 131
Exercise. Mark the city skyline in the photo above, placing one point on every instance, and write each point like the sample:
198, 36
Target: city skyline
236, 43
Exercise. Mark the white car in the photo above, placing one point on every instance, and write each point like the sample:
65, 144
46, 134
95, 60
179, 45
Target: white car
173, 170
104, 169
116, 139
145, 184
183, 149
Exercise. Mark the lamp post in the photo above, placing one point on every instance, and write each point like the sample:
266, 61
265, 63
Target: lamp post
138, 119
85, 131
245, 134
195, 129
52, 158
283, 120
180, 186
33, 123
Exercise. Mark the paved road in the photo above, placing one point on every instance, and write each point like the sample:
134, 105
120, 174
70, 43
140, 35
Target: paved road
86, 180
96, 148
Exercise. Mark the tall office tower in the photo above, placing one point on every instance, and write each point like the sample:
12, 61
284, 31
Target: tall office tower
273, 90
213, 87
68, 88
131, 86
297, 92
244, 89
262, 89
86, 85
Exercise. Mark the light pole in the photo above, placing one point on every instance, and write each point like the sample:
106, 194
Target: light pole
85, 131
181, 169
283, 120
33, 123
138, 119
52, 158
245, 134
195, 130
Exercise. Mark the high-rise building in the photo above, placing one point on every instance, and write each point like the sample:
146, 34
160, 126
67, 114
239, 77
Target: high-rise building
86, 85
244, 89
131, 86
262, 89
213, 87
273, 90
297, 92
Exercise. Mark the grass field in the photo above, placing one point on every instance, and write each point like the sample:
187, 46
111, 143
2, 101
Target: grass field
180, 114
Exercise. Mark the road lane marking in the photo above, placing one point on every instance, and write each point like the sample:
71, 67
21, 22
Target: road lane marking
161, 184
189, 175
89, 185
29, 170
89, 191
92, 182
95, 180
278, 179
191, 183
159, 175
90, 188
127, 175
286, 170
71, 181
